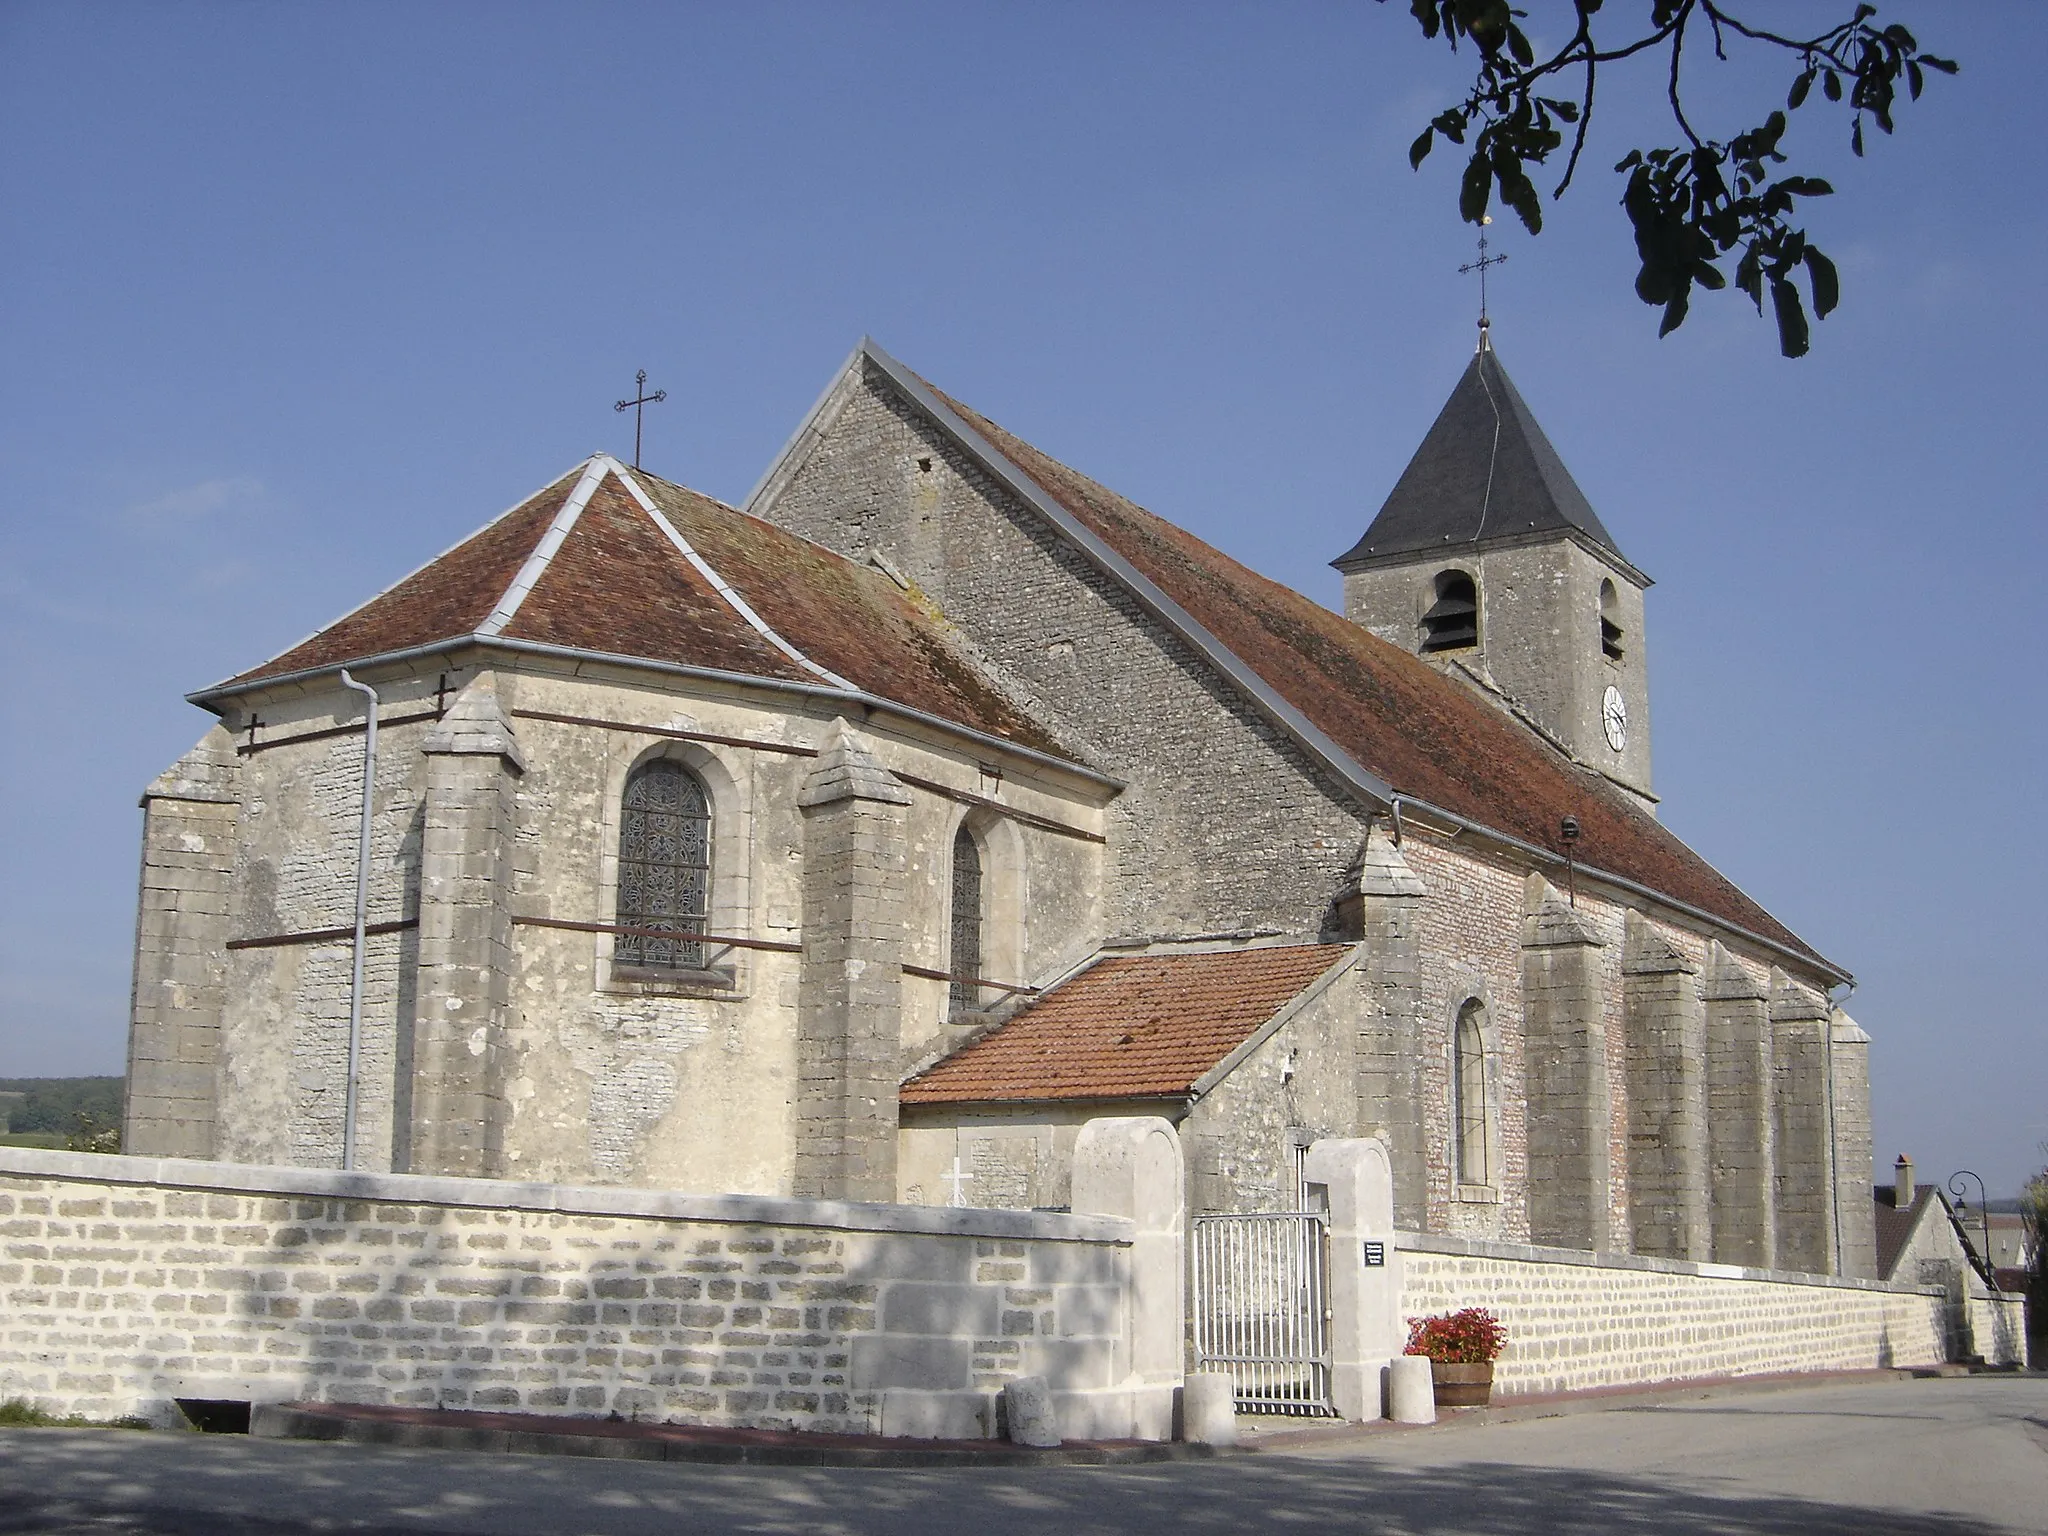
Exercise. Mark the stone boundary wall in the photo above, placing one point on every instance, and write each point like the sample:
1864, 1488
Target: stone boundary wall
1577, 1320
128, 1282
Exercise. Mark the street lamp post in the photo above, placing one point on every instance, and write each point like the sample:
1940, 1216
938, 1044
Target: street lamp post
1956, 1187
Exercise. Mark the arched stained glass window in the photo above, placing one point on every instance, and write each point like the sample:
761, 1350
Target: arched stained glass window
1468, 1074
664, 867
965, 956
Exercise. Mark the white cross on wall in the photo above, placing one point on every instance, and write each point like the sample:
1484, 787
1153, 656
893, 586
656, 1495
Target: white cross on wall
956, 1178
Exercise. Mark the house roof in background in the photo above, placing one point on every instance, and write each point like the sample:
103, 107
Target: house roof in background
1129, 1027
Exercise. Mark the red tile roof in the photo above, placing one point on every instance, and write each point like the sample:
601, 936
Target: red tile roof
1421, 732
617, 584
1129, 1027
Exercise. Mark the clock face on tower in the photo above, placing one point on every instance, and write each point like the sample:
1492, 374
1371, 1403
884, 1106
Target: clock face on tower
1614, 718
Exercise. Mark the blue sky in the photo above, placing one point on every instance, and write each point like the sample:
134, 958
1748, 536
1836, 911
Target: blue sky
295, 296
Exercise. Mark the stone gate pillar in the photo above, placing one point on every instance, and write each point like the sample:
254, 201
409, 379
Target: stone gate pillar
1365, 1272
190, 819
1382, 905
1131, 1167
463, 999
850, 997
1739, 1118
1803, 1154
1855, 1213
1666, 1032
1570, 1105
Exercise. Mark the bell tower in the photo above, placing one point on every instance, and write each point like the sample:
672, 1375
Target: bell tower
1488, 562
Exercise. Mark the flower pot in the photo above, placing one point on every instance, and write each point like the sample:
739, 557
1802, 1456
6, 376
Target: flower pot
1462, 1386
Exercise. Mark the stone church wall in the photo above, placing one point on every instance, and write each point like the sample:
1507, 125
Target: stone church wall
595, 1078
129, 1282
1224, 825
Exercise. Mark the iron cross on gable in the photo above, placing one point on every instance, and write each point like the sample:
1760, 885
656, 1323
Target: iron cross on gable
1480, 267
638, 404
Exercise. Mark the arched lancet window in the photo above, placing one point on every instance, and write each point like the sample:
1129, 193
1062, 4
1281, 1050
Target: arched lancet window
1610, 622
964, 958
1468, 1078
664, 867
1452, 622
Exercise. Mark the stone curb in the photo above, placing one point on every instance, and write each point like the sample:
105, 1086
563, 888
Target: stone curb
1563, 1404
295, 1422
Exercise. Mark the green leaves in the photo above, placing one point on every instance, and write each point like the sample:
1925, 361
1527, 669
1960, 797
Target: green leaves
1695, 205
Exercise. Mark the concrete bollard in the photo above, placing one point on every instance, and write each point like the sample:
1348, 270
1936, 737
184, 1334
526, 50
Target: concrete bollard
1028, 1411
1411, 1395
1208, 1409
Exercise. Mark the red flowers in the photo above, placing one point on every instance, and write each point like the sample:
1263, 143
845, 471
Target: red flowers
1473, 1336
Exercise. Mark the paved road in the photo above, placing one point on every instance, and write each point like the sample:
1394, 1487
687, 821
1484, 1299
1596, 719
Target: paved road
1913, 1458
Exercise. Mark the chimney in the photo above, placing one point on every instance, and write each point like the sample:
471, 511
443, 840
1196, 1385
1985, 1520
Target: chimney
1902, 1183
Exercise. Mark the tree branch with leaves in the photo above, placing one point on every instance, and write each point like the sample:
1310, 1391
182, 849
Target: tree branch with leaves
1694, 204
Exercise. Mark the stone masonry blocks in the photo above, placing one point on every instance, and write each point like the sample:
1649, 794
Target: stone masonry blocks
1739, 1114
1570, 1105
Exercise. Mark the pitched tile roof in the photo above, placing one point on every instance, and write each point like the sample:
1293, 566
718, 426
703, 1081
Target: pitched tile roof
1894, 1226
1423, 734
587, 564
1484, 472
1128, 1027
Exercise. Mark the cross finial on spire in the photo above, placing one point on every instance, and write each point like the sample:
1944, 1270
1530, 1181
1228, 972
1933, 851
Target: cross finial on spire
1480, 267
641, 400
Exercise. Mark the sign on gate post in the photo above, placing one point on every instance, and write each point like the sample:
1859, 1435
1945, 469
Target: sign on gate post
1365, 1273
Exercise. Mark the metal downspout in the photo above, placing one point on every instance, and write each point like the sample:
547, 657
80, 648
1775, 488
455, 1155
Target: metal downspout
355, 979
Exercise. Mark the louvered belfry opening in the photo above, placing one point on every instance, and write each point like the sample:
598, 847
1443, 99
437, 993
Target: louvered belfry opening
664, 867
1452, 621
965, 958
1610, 622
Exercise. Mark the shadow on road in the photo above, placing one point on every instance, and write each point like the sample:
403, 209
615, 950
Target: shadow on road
177, 1486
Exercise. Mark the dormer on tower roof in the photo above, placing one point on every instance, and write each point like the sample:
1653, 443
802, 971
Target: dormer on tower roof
1485, 474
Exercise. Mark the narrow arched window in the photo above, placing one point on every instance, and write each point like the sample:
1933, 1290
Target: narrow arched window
664, 868
1610, 622
1451, 623
964, 960
1468, 1077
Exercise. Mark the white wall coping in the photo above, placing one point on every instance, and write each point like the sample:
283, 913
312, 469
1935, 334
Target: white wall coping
1530, 1253
563, 1199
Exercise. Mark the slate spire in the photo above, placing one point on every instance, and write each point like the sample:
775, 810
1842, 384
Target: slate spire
1484, 473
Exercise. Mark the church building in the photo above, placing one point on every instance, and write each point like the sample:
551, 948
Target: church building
864, 842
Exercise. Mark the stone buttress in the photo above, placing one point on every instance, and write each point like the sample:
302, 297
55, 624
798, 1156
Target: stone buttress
465, 940
1739, 1118
1570, 1110
190, 823
1665, 1029
1381, 904
1803, 1175
1849, 1083
850, 997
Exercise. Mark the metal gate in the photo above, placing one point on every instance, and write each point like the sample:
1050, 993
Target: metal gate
1259, 1308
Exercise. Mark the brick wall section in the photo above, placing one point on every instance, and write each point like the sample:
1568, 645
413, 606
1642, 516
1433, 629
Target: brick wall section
190, 816
1575, 1322
128, 1282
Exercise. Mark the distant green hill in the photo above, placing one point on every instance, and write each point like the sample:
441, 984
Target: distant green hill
47, 1107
